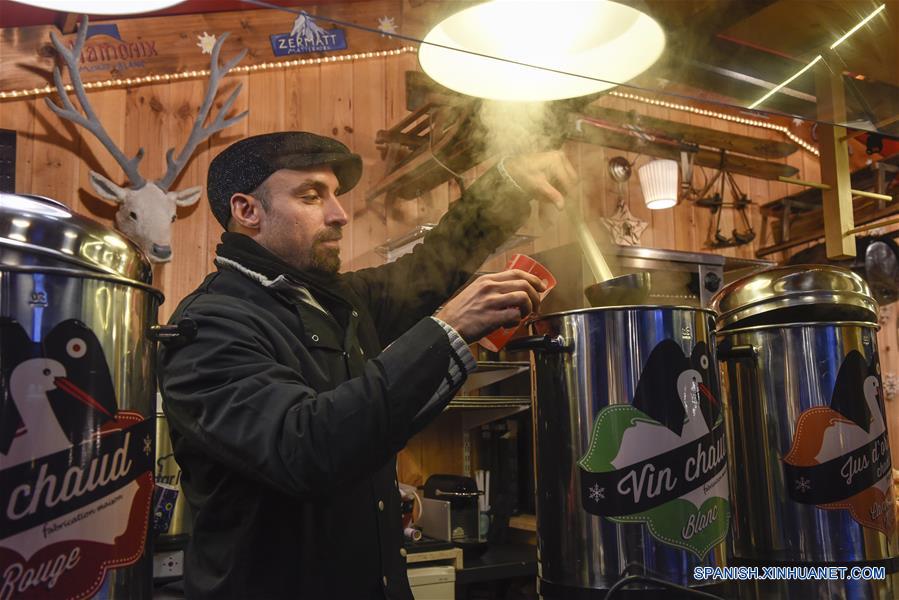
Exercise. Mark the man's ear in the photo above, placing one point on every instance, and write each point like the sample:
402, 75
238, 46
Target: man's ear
246, 211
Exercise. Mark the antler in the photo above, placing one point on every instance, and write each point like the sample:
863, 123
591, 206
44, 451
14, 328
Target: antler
199, 132
89, 119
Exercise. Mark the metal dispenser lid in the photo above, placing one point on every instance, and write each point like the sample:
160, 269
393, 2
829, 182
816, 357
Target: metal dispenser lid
795, 294
40, 232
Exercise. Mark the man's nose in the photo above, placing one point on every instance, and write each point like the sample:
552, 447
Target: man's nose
334, 214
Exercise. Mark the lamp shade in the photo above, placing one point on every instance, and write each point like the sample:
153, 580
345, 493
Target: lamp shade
102, 7
658, 180
490, 50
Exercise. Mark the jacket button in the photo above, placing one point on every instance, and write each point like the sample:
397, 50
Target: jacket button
384, 580
380, 505
355, 314
403, 552
314, 338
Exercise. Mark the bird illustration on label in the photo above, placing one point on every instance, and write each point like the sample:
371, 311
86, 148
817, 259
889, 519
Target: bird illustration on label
76, 473
661, 459
840, 455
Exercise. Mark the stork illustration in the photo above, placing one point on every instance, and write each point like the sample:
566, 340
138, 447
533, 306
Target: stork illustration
53, 394
829, 433
675, 392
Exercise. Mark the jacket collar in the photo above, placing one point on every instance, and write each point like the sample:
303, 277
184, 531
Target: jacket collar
282, 283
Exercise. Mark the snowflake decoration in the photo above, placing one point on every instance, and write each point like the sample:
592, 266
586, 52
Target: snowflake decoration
803, 484
206, 42
148, 445
597, 493
387, 25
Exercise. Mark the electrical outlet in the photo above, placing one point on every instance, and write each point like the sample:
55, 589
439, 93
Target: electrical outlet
168, 565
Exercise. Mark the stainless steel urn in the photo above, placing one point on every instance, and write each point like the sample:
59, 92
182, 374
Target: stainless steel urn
76, 406
810, 471
630, 450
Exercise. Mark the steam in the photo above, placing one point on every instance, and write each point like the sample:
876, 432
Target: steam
515, 127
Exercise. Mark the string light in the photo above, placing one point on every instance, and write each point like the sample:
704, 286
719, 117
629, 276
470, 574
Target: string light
723, 116
285, 64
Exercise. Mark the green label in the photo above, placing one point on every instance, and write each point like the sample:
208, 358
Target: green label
662, 459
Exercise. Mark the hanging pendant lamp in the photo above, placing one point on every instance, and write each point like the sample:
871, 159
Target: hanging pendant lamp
584, 47
102, 7
658, 180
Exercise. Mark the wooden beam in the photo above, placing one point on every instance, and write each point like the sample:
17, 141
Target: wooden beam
834, 160
807, 226
741, 165
692, 134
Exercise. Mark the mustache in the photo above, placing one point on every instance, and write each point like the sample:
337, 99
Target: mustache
329, 234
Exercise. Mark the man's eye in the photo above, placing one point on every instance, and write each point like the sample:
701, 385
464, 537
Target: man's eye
310, 197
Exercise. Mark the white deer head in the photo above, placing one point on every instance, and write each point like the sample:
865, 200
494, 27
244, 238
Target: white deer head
146, 209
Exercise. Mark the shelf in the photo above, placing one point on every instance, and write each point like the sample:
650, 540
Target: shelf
485, 409
490, 372
522, 402
525, 522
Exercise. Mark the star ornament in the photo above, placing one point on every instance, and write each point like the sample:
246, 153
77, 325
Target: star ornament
597, 493
624, 227
387, 25
206, 42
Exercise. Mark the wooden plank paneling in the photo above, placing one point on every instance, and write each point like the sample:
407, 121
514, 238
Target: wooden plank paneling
336, 89
55, 161
189, 234
367, 229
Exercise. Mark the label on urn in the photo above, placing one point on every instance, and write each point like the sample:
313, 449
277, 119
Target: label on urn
661, 460
840, 456
76, 473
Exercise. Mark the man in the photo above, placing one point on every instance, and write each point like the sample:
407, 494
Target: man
288, 407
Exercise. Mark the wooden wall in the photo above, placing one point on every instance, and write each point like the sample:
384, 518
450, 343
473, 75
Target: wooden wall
350, 101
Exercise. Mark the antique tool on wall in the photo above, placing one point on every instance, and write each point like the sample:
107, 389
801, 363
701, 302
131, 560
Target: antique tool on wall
716, 203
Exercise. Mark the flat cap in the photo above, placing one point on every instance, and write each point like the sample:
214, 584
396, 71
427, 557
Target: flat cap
244, 165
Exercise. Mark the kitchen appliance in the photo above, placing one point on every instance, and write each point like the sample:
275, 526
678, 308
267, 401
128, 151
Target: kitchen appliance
450, 506
630, 456
677, 278
809, 456
77, 423
433, 582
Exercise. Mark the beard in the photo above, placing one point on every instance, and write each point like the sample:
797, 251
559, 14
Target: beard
325, 259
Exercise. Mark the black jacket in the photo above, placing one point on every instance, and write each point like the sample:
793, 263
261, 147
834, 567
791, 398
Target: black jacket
285, 419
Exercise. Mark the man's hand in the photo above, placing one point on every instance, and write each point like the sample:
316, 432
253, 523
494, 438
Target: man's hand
492, 301
548, 176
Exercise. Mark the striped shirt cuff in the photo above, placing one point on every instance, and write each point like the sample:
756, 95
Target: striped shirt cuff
462, 361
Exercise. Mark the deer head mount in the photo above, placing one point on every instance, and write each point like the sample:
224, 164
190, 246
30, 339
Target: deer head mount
146, 209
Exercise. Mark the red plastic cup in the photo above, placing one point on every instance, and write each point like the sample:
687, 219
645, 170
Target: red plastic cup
499, 338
